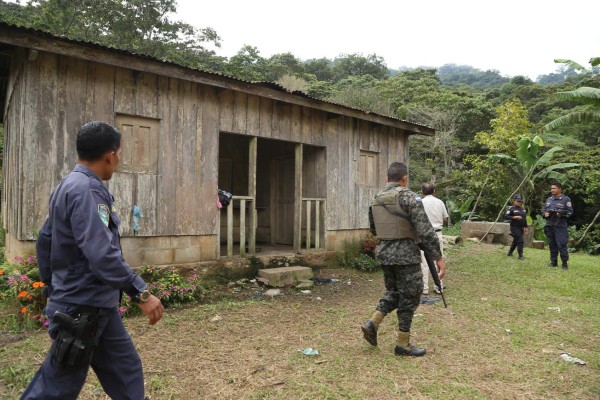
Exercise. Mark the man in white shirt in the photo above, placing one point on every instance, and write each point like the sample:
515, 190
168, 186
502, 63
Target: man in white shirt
438, 216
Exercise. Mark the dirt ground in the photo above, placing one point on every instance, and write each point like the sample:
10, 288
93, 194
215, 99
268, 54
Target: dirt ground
246, 346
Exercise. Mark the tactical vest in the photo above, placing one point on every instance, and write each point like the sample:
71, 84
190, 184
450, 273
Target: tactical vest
391, 221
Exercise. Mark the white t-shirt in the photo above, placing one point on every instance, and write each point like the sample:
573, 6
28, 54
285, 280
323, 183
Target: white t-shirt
436, 211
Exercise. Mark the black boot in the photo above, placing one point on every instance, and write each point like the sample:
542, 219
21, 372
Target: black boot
564, 265
553, 263
410, 351
370, 332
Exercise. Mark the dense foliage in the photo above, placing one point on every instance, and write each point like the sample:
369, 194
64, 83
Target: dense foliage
480, 117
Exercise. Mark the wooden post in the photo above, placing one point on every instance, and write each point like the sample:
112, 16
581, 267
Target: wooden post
298, 198
230, 229
253, 147
242, 228
317, 223
308, 206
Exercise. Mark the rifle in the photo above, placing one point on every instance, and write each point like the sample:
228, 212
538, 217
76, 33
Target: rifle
434, 273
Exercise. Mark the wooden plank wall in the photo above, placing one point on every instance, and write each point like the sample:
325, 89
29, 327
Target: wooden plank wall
60, 93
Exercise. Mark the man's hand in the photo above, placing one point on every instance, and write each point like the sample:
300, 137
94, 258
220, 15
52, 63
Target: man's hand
441, 266
518, 217
526, 231
546, 214
153, 309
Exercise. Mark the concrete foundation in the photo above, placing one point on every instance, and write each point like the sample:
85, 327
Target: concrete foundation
498, 234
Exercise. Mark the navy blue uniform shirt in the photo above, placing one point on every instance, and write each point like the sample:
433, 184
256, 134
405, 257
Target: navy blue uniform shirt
514, 211
79, 250
558, 203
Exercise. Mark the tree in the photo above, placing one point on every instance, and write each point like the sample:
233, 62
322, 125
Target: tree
140, 26
589, 96
247, 64
348, 65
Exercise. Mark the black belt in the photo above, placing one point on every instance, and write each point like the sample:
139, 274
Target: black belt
437, 230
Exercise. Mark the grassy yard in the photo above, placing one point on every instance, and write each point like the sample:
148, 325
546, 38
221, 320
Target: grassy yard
507, 323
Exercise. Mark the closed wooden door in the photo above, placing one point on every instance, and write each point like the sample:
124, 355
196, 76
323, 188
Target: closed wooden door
284, 200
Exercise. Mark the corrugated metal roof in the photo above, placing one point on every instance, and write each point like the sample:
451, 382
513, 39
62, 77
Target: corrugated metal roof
266, 84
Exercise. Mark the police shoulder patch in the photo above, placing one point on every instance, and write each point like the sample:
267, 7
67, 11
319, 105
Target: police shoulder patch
104, 213
568, 204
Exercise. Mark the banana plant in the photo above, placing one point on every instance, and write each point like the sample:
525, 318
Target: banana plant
586, 95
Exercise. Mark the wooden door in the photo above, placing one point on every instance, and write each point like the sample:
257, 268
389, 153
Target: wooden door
283, 187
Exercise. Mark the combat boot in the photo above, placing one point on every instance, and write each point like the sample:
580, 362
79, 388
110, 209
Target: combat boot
370, 327
565, 266
404, 348
552, 263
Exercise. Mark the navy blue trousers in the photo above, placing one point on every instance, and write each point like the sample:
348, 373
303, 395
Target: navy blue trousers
115, 362
558, 239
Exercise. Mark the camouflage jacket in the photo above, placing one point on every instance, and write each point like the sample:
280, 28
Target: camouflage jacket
406, 251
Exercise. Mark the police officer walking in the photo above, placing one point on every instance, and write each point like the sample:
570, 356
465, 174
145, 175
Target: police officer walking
81, 263
399, 220
556, 211
518, 225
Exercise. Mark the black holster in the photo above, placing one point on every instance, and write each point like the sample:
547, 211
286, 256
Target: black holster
74, 346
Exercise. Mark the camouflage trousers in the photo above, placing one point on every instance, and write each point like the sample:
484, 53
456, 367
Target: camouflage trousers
403, 285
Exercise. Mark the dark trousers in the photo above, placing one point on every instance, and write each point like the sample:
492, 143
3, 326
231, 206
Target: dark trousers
115, 362
558, 239
517, 233
403, 285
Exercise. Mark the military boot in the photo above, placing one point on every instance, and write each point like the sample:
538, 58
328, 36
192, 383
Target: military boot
404, 348
370, 327
553, 263
565, 265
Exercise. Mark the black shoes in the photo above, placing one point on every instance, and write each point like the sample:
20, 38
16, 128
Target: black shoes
370, 332
411, 351
565, 266
509, 254
552, 264
521, 258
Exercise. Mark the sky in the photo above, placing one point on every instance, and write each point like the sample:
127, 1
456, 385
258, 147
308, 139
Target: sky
514, 37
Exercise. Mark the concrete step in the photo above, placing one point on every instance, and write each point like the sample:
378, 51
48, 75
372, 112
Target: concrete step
285, 276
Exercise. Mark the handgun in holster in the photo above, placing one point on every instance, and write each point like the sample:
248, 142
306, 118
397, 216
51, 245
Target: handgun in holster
76, 340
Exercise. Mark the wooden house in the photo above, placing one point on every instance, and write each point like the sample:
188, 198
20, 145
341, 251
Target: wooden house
302, 171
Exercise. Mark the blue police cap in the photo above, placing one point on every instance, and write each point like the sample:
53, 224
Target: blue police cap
517, 197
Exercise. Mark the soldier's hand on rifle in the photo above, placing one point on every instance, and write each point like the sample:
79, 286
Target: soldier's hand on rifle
441, 266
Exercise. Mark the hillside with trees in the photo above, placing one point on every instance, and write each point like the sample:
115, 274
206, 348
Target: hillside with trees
482, 119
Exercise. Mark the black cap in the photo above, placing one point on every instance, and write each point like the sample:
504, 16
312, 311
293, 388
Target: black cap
517, 197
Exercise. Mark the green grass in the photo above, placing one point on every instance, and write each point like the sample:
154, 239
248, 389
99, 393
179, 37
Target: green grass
500, 338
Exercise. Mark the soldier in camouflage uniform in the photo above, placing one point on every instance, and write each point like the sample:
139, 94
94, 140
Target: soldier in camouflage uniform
399, 220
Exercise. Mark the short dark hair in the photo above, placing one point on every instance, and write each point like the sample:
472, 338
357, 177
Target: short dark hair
557, 184
96, 138
397, 171
427, 188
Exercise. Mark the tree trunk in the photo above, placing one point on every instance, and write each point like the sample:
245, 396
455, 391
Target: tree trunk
587, 229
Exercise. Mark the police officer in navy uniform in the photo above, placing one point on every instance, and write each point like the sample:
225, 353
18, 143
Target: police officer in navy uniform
557, 210
81, 263
518, 225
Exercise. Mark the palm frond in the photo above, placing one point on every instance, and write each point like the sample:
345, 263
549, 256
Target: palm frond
573, 118
580, 94
570, 64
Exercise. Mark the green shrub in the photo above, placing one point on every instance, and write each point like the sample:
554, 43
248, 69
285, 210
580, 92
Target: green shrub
169, 285
356, 254
23, 291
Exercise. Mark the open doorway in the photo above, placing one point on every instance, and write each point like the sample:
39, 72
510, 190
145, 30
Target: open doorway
273, 190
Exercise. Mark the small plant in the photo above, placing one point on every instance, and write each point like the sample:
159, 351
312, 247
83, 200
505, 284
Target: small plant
354, 254
169, 285
22, 289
